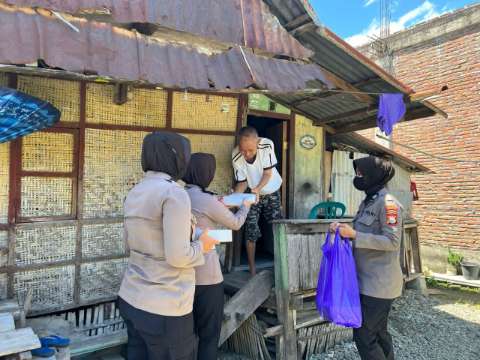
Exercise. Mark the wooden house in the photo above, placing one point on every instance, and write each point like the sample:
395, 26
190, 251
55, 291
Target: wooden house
62, 190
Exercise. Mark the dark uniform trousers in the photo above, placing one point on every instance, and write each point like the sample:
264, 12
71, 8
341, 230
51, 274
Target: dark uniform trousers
157, 337
208, 315
372, 339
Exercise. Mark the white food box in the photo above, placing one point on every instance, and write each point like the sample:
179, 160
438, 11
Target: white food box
222, 235
237, 199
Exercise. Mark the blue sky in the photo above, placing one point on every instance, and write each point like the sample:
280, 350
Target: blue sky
356, 20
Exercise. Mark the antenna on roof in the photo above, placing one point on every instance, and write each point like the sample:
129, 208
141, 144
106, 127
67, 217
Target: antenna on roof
380, 47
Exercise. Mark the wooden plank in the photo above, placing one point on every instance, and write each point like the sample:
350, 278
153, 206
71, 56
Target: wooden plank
307, 168
304, 260
17, 341
456, 279
245, 302
287, 342
6, 322
291, 166
99, 343
273, 331
415, 243
308, 318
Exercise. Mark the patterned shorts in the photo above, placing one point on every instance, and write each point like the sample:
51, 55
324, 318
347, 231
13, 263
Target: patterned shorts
269, 208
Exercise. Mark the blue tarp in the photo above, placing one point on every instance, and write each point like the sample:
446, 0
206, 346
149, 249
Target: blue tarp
22, 114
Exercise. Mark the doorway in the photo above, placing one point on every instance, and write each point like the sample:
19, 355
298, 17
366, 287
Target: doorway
276, 128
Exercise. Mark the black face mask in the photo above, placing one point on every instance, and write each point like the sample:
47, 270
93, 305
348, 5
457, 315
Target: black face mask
359, 183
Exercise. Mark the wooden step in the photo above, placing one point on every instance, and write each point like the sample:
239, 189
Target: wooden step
244, 303
98, 343
17, 341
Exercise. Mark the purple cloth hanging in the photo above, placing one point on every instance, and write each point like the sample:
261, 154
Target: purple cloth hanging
390, 111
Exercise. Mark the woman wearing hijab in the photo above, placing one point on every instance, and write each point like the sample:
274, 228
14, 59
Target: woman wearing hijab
210, 214
156, 295
376, 237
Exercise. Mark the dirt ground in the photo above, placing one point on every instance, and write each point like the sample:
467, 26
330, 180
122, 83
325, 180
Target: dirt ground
444, 325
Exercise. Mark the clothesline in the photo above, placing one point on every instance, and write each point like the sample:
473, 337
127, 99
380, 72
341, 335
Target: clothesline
428, 154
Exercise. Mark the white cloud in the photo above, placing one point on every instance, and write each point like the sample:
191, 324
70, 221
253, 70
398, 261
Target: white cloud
426, 11
369, 2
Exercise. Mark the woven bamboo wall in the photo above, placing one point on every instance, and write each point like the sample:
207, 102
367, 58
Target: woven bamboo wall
3, 79
206, 112
112, 168
52, 287
81, 261
46, 197
221, 147
145, 107
63, 94
4, 181
44, 243
102, 239
48, 152
100, 280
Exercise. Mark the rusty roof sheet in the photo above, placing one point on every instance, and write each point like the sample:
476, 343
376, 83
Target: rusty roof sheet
336, 56
26, 35
358, 143
244, 22
229, 70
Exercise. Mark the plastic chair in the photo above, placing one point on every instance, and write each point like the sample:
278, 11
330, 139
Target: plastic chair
329, 210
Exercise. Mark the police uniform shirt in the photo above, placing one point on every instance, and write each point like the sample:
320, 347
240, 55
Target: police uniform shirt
252, 173
378, 224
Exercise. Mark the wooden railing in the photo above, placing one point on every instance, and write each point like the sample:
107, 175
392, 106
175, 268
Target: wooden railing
297, 263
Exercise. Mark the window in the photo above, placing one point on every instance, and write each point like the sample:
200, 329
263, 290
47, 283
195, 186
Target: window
47, 176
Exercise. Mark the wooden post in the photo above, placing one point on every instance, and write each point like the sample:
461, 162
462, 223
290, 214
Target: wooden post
287, 342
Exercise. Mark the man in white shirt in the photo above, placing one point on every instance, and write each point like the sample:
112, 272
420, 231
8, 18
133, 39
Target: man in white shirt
254, 164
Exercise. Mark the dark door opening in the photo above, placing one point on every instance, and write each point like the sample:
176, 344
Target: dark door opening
277, 131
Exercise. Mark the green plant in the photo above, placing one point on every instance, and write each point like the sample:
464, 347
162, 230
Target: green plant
454, 258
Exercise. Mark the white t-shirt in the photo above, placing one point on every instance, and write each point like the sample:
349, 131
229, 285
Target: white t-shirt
252, 173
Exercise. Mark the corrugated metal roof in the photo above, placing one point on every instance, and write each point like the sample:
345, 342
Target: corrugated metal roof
360, 144
107, 50
26, 35
248, 23
338, 57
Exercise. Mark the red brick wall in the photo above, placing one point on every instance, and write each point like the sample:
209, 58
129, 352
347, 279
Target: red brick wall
449, 205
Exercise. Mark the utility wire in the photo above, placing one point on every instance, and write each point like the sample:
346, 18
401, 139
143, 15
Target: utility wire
428, 154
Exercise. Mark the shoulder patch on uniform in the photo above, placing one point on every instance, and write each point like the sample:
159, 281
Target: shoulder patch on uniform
391, 210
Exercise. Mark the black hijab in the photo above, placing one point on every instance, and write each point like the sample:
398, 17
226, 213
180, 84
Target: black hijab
166, 152
376, 173
201, 170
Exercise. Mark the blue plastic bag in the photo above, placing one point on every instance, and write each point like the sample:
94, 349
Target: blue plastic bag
338, 297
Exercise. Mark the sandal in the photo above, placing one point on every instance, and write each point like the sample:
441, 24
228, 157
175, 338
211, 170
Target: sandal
54, 341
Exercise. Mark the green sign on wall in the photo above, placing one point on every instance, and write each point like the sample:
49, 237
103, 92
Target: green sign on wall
263, 103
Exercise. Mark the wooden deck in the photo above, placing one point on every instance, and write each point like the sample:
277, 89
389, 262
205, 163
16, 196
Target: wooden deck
455, 279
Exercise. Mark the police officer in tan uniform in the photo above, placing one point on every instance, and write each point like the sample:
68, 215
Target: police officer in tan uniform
376, 237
